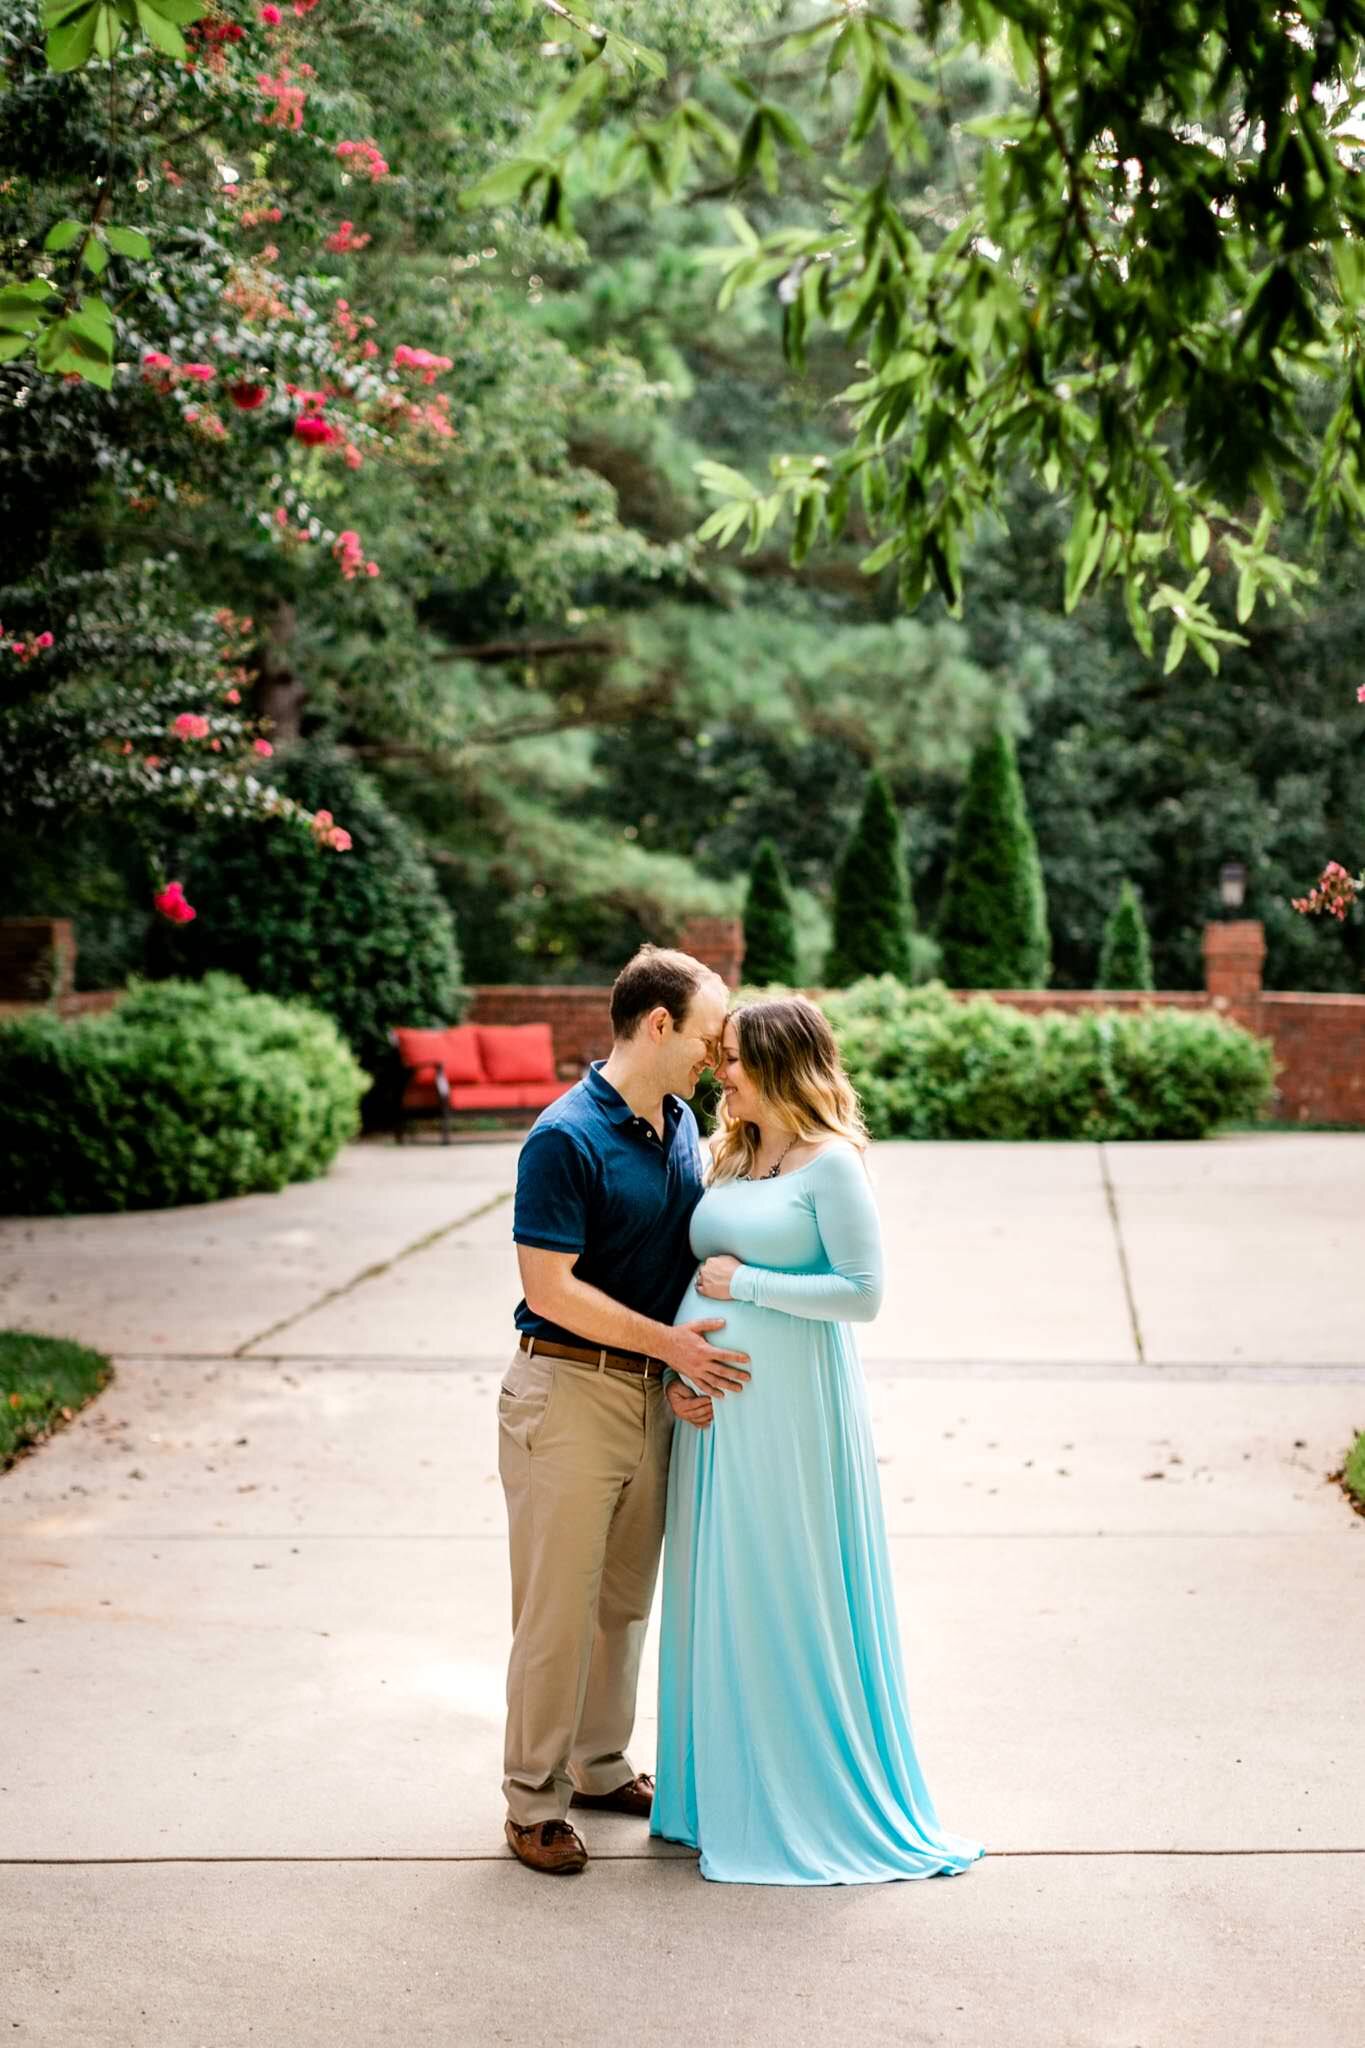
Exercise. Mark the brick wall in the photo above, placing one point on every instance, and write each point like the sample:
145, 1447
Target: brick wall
1319, 1040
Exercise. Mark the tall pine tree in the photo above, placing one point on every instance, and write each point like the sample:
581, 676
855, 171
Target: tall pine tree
1126, 954
769, 922
873, 916
993, 917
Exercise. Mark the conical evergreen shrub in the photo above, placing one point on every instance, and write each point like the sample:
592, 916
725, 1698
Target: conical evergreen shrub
993, 918
769, 922
1126, 952
873, 916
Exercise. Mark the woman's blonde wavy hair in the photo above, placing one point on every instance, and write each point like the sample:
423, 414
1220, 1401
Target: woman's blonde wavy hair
787, 1049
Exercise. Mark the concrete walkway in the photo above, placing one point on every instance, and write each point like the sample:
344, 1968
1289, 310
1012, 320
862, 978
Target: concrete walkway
253, 1623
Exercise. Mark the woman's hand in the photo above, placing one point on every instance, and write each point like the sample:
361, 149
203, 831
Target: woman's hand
689, 1407
715, 1276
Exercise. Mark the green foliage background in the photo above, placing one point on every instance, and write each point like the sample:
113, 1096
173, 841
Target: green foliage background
587, 721
364, 936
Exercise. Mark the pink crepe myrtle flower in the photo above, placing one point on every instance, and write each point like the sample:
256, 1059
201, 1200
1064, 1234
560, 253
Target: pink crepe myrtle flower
405, 358
364, 158
349, 553
339, 839
344, 241
246, 397
190, 726
200, 373
1336, 891
314, 431
263, 747
1360, 694
271, 16
289, 100
170, 903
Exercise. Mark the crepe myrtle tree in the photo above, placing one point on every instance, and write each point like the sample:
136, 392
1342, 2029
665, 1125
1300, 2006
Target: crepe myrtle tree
1143, 284
178, 374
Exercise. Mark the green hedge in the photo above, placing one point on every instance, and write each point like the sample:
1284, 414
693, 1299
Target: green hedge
928, 1066
187, 1092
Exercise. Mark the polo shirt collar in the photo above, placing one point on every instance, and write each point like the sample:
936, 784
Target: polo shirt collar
614, 1104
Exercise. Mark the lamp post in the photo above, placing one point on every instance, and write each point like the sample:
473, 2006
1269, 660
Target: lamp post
1232, 886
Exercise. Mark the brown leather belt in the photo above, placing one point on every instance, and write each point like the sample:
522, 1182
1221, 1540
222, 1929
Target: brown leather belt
600, 1361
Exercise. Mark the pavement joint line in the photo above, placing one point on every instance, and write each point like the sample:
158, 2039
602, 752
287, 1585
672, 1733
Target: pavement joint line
683, 1855
376, 1271
1149, 1370
1112, 1202
107, 1536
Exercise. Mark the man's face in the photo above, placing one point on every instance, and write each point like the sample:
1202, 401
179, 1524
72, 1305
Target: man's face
695, 1043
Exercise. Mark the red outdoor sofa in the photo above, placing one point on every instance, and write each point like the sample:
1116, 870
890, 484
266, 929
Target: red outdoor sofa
475, 1067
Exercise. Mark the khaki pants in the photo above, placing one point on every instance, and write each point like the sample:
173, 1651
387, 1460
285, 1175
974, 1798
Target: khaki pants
584, 1463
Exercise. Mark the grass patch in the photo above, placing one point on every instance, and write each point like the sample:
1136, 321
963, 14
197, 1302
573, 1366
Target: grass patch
43, 1381
1352, 1475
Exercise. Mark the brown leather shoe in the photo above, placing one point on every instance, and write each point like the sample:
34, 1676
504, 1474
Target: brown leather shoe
635, 1796
548, 1845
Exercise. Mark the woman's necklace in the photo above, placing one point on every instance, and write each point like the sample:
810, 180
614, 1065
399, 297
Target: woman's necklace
776, 1168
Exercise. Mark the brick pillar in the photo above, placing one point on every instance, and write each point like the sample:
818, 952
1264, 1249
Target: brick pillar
37, 958
716, 941
1234, 955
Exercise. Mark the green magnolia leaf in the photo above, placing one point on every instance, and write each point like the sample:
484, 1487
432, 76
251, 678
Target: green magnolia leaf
95, 256
64, 234
1199, 537
587, 86
73, 43
12, 345
93, 320
158, 30
508, 181
128, 242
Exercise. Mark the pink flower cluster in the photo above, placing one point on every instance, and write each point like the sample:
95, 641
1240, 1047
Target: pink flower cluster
289, 100
314, 431
1335, 893
364, 159
161, 371
28, 650
405, 358
344, 241
271, 15
329, 834
170, 903
190, 726
350, 555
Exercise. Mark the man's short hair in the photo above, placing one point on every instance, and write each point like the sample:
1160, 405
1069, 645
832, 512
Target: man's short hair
656, 977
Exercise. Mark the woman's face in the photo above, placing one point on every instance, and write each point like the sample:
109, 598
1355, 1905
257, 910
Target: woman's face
742, 1099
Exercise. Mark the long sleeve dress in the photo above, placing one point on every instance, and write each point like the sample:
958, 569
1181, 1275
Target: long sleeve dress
785, 1749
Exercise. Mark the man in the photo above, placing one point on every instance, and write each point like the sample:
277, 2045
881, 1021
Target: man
606, 1185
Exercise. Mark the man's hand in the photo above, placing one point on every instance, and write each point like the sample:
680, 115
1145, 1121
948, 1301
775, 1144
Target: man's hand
690, 1407
714, 1372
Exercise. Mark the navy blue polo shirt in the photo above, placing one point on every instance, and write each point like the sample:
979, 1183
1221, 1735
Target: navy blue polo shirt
596, 1179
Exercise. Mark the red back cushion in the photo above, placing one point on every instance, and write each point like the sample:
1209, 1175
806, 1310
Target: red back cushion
457, 1050
517, 1052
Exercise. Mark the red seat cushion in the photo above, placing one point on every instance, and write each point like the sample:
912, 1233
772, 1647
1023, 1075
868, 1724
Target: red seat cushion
487, 1095
517, 1052
457, 1050
540, 1094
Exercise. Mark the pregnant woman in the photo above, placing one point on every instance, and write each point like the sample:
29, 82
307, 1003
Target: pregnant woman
785, 1751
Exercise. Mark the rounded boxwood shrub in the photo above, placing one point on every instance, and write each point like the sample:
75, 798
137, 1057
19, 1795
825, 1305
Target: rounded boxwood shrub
928, 1066
186, 1092
364, 935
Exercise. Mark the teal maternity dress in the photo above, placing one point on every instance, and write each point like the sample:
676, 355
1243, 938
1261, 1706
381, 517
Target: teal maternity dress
785, 1752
